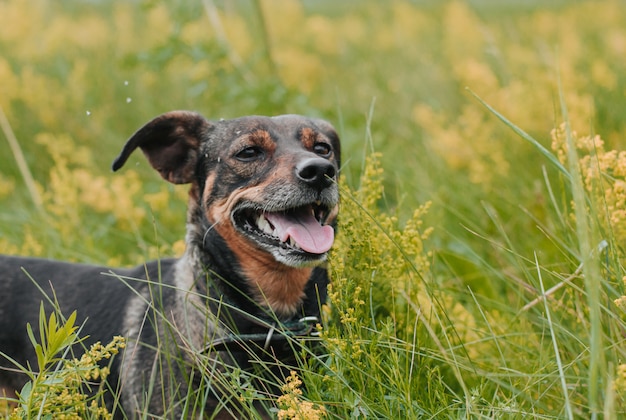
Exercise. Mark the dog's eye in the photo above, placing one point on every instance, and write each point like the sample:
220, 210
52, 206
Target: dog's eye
249, 154
322, 149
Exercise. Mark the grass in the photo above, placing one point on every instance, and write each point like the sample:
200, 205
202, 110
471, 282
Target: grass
478, 271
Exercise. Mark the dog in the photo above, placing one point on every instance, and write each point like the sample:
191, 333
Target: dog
263, 205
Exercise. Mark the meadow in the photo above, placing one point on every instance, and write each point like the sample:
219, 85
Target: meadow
478, 271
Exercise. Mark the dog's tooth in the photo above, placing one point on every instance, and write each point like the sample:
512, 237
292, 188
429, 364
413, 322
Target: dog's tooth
293, 243
264, 225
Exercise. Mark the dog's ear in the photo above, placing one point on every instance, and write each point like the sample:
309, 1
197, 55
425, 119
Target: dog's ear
170, 142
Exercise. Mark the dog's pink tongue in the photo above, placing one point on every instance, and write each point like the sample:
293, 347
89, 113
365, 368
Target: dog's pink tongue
304, 229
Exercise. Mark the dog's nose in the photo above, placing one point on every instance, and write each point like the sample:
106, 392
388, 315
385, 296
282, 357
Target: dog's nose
316, 172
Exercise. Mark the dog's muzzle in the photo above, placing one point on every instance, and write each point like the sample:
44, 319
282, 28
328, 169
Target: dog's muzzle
295, 236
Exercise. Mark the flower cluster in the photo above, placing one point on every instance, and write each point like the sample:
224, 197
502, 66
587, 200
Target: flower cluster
619, 383
604, 177
87, 366
375, 252
74, 195
64, 394
292, 406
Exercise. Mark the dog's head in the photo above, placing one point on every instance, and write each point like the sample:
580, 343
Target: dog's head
267, 185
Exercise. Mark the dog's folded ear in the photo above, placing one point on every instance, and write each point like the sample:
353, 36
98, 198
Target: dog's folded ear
170, 142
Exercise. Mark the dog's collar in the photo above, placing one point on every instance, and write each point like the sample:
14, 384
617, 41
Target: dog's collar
303, 329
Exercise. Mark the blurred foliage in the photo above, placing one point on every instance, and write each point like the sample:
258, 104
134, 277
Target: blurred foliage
77, 78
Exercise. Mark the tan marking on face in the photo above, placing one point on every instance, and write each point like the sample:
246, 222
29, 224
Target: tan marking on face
308, 137
208, 184
194, 196
192, 204
263, 139
219, 211
281, 174
272, 283
332, 216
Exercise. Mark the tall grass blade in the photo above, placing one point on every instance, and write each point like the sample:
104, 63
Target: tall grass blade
214, 18
20, 161
545, 152
265, 37
591, 269
555, 344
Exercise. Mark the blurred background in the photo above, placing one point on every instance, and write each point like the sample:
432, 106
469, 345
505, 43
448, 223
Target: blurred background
77, 78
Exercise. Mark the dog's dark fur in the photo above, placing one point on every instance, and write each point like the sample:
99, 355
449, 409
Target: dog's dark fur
281, 167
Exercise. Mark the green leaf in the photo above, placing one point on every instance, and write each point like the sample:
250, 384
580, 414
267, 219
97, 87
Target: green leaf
31, 335
24, 394
41, 357
42, 324
38, 349
54, 339
69, 330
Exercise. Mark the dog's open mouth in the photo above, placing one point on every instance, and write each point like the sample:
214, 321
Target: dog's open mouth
301, 229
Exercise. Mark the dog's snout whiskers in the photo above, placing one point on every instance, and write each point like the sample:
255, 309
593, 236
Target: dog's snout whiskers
206, 233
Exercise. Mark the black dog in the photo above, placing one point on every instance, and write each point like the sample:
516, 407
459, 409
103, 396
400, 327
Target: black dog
262, 207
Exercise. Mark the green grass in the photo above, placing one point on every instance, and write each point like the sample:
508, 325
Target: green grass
436, 309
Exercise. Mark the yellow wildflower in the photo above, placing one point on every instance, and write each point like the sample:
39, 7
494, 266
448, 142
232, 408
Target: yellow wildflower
619, 383
604, 176
291, 404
